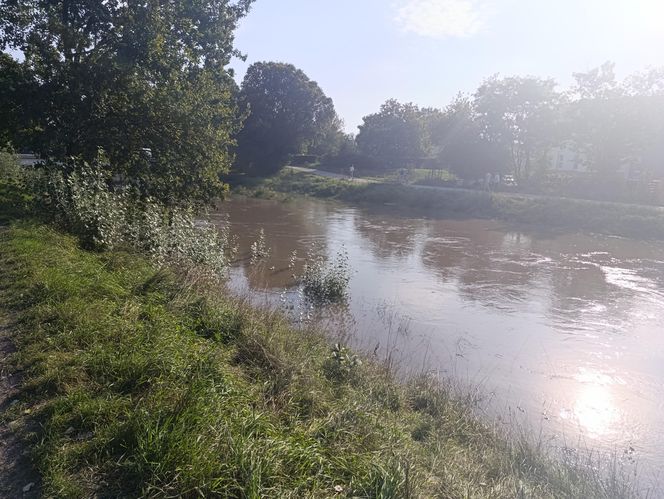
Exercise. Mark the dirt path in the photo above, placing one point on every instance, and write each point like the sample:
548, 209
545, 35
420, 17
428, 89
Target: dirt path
18, 478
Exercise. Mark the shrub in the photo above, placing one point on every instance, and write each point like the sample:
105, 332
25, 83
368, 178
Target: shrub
104, 217
259, 249
342, 363
9, 167
323, 281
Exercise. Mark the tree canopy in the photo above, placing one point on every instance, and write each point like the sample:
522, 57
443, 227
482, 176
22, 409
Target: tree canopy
617, 124
396, 136
287, 114
126, 77
17, 89
462, 147
520, 115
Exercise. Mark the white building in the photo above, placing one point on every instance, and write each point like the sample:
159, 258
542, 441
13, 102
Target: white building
566, 159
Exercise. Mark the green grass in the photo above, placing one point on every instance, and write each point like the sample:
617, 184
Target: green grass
146, 382
543, 213
422, 176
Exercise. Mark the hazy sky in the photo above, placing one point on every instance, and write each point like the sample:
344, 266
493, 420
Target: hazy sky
363, 52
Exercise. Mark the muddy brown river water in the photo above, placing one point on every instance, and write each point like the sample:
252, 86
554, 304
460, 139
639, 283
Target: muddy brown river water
563, 332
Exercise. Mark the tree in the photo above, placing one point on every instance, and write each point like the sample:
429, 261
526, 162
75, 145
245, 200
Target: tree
646, 90
129, 76
396, 136
462, 146
16, 95
598, 83
519, 114
617, 125
288, 114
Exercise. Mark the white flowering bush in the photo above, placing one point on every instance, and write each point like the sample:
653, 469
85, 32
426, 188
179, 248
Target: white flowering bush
107, 218
83, 202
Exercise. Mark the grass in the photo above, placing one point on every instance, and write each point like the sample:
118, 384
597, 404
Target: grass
541, 212
147, 382
421, 176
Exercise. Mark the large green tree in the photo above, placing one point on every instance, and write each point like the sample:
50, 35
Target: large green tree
288, 114
396, 136
618, 125
519, 113
131, 76
17, 92
646, 89
461, 145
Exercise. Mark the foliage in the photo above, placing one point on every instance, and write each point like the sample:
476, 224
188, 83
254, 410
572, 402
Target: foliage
462, 146
615, 124
347, 154
342, 364
17, 92
324, 281
288, 114
259, 249
10, 169
15, 193
515, 124
395, 136
106, 219
519, 114
128, 77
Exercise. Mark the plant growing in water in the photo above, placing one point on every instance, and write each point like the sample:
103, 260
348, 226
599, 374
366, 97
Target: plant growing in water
259, 249
292, 260
324, 281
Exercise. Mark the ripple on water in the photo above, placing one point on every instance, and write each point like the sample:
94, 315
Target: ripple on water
632, 280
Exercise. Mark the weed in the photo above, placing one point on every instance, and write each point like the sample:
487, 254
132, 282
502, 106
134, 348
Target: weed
259, 250
324, 281
342, 364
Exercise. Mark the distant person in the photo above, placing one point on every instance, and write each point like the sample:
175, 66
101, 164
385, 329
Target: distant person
402, 175
487, 181
351, 171
496, 179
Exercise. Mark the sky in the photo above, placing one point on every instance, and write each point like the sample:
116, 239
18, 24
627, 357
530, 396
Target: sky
363, 52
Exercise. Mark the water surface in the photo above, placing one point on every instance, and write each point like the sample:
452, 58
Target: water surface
565, 331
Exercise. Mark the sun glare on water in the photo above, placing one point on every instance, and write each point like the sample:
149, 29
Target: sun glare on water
594, 408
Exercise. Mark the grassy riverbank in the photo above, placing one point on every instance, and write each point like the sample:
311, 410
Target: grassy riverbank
149, 382
541, 212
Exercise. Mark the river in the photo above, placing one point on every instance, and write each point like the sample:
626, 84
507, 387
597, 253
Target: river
561, 332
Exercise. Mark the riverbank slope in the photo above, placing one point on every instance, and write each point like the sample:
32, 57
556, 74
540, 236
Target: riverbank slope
146, 381
547, 213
